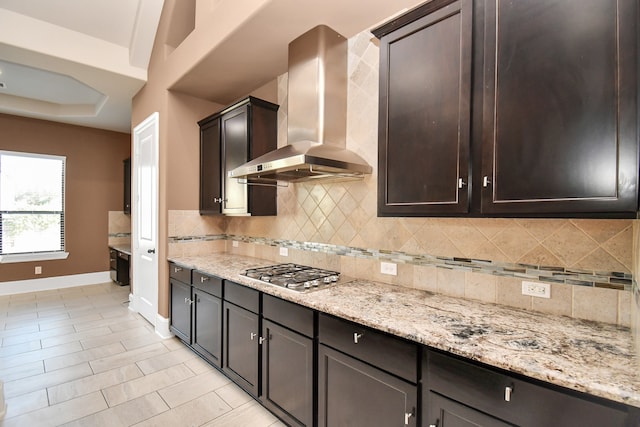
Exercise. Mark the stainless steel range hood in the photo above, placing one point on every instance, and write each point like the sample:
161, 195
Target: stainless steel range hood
317, 116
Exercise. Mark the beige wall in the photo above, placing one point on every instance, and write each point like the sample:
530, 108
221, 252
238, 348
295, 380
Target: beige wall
94, 186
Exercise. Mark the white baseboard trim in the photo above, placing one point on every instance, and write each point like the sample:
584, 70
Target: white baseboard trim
162, 327
49, 283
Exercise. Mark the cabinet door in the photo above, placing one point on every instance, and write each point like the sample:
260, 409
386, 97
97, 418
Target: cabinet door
235, 141
207, 326
448, 413
241, 347
425, 114
352, 393
560, 126
181, 310
210, 167
287, 374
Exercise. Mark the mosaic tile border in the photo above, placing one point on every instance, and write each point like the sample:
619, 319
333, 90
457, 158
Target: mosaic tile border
569, 276
119, 235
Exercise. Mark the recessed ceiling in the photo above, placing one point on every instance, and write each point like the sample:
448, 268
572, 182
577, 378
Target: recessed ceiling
75, 61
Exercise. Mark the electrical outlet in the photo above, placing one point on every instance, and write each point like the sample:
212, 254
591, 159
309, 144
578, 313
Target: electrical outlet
234, 243
38, 269
536, 289
389, 268
284, 251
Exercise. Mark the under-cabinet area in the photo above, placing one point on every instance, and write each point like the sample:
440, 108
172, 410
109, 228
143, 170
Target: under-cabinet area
316, 359
119, 264
494, 108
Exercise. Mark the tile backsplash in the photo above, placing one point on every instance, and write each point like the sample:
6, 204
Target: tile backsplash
344, 215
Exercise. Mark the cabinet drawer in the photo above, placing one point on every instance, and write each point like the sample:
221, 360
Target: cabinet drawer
242, 296
180, 273
392, 354
516, 400
288, 314
205, 282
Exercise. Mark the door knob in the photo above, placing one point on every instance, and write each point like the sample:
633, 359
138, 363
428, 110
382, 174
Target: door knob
151, 251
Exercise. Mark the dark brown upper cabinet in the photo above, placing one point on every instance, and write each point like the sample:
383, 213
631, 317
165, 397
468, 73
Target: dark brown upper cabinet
497, 108
425, 112
560, 107
228, 139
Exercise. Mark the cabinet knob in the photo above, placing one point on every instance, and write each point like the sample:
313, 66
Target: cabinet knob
486, 181
356, 337
177, 269
461, 183
188, 301
507, 393
203, 279
261, 340
253, 336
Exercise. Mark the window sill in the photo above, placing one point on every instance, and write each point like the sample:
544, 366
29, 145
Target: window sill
41, 256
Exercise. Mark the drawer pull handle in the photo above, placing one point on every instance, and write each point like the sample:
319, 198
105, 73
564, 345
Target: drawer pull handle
177, 269
507, 393
253, 336
407, 416
356, 337
203, 279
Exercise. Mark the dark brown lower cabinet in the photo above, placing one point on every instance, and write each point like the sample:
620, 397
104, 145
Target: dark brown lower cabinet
353, 393
241, 347
207, 326
180, 309
449, 413
287, 372
459, 393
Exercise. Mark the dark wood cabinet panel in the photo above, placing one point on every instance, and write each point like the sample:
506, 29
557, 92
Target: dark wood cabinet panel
560, 106
387, 352
207, 326
287, 372
352, 393
210, 167
425, 113
180, 309
241, 357
448, 413
230, 138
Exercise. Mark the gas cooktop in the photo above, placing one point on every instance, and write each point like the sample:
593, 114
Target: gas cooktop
296, 277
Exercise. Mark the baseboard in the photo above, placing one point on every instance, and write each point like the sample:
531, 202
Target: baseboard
50, 283
162, 327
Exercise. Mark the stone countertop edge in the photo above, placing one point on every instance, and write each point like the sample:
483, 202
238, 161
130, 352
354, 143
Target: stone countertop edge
122, 248
590, 357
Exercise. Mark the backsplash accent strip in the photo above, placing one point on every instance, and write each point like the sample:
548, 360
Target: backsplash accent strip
552, 274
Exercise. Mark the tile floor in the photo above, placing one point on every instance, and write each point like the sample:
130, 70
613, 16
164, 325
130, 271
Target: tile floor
79, 357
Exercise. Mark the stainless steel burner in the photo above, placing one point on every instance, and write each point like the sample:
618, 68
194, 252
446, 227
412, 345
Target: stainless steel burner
294, 276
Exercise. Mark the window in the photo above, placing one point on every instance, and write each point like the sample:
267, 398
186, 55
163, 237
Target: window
31, 207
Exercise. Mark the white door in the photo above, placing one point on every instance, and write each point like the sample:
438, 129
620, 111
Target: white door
145, 218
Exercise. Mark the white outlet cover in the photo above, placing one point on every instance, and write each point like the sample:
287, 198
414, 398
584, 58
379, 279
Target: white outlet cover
234, 243
389, 268
536, 289
284, 251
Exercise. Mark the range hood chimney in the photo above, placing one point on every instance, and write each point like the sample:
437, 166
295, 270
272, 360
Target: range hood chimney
317, 116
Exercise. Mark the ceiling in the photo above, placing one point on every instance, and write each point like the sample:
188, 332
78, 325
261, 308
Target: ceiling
75, 61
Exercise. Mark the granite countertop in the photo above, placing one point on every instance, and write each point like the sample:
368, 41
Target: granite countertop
590, 357
123, 247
